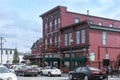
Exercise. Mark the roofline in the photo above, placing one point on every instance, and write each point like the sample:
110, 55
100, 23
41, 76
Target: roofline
55, 8
93, 16
75, 24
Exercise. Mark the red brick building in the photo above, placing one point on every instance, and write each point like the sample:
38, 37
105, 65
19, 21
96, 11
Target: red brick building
72, 39
36, 52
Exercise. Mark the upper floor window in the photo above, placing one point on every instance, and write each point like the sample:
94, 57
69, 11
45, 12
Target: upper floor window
65, 39
104, 38
77, 20
91, 22
100, 23
55, 40
55, 24
111, 25
58, 40
78, 37
50, 41
45, 43
59, 22
50, 26
83, 36
70, 38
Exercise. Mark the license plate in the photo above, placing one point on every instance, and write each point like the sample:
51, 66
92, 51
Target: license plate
101, 77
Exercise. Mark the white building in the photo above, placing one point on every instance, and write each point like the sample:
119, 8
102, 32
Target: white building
7, 56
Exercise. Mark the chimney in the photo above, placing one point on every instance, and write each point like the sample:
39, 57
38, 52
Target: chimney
87, 12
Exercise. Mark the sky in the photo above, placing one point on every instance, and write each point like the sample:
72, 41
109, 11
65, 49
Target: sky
21, 26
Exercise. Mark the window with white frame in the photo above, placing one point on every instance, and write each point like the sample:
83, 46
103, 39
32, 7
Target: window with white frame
50, 41
77, 37
83, 36
46, 28
45, 43
66, 39
55, 23
70, 38
59, 22
55, 40
77, 20
91, 22
100, 23
111, 25
104, 38
50, 26
58, 40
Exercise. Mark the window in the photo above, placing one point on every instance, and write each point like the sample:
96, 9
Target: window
104, 38
50, 26
58, 22
45, 43
100, 23
77, 20
50, 41
78, 37
58, 40
55, 40
70, 38
111, 25
55, 24
65, 39
46, 28
83, 36
91, 22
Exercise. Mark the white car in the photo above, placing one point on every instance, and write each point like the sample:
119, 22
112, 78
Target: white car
5, 74
50, 71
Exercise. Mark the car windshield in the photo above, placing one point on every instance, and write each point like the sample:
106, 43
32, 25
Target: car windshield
4, 70
94, 69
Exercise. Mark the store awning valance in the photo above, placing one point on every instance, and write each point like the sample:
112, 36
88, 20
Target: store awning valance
79, 59
51, 59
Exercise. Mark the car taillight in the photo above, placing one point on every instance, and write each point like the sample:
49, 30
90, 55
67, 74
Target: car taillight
103, 72
95, 72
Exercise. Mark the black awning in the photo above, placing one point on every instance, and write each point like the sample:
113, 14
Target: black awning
79, 59
51, 59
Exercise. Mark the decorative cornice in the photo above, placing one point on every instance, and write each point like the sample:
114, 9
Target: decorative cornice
112, 29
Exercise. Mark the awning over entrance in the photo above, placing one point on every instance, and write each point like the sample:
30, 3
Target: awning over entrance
79, 59
51, 59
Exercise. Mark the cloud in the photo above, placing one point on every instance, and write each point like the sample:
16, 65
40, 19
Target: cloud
19, 32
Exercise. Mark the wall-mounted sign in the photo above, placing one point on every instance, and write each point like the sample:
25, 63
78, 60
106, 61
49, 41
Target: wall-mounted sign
107, 56
92, 56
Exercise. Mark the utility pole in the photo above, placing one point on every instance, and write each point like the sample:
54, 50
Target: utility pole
1, 38
1, 49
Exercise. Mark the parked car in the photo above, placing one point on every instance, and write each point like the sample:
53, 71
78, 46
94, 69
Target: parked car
5, 74
27, 70
38, 68
87, 73
51, 71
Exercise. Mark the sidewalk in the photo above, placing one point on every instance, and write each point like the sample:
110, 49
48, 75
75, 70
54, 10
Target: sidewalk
113, 78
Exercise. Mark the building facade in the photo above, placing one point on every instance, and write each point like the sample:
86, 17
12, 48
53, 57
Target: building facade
36, 52
72, 39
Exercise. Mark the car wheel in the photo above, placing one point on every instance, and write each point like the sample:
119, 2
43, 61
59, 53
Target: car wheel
41, 73
49, 74
70, 77
85, 78
23, 74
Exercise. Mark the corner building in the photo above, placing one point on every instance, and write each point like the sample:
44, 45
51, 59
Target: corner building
72, 39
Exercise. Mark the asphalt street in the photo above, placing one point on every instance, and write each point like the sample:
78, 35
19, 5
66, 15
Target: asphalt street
54, 78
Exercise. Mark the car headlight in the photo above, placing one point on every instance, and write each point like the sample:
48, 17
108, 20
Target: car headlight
9, 78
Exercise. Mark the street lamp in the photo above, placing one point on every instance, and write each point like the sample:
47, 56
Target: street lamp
71, 40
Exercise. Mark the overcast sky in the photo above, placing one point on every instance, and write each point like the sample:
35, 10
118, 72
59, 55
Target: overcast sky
21, 25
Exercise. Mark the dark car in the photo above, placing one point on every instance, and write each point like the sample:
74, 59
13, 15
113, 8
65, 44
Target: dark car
27, 70
87, 73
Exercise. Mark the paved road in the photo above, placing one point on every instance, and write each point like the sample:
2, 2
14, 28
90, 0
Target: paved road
52, 78
42, 78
